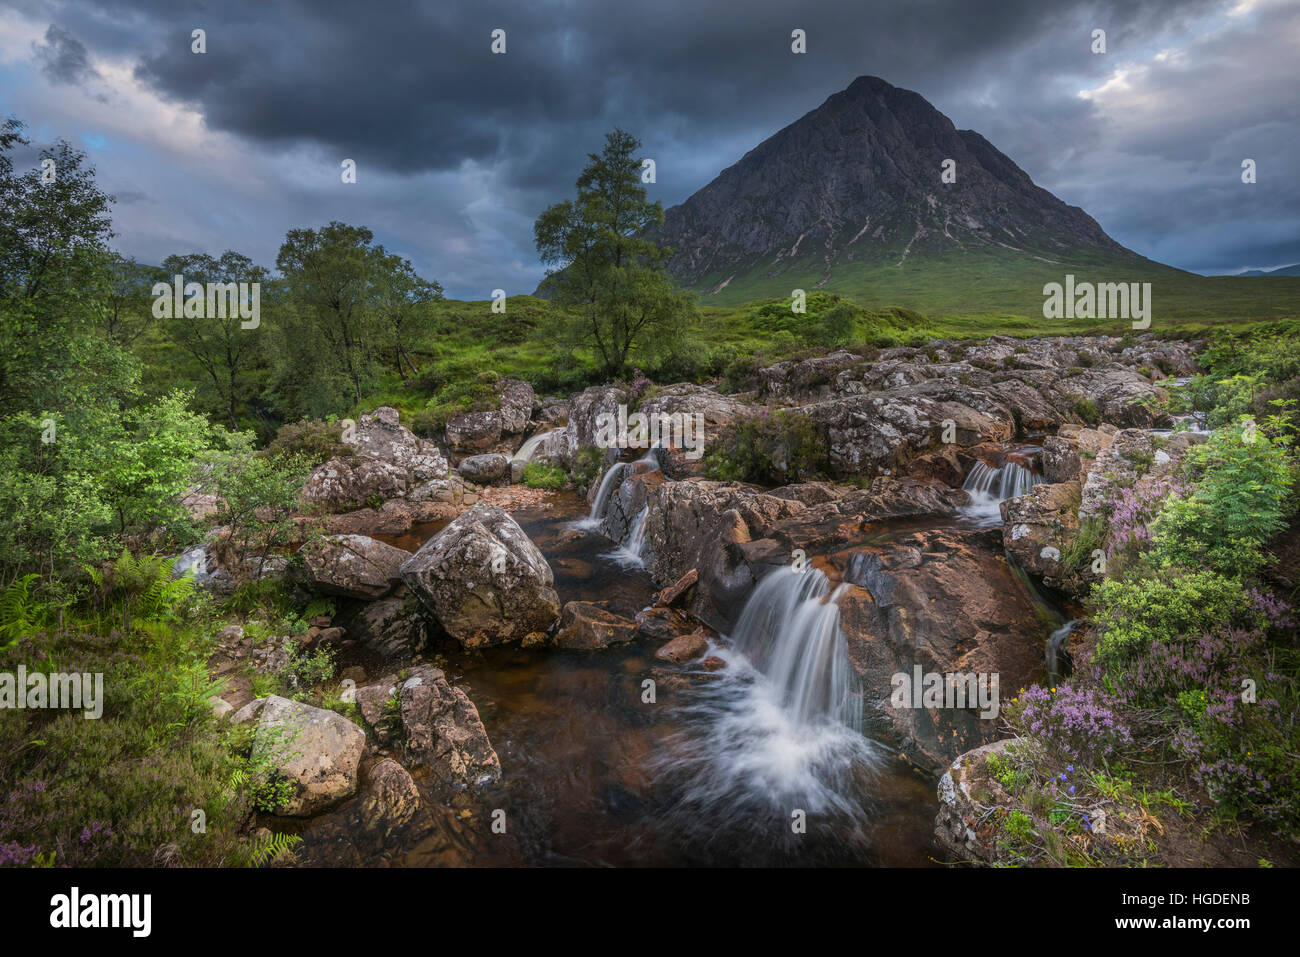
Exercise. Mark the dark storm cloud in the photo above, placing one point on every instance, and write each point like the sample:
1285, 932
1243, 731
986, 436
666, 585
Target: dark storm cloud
63, 57
412, 90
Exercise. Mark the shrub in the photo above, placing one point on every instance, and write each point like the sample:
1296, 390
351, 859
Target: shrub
312, 440
768, 449
1237, 503
1079, 723
1132, 615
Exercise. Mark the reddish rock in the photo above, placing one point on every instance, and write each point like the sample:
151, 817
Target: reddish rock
588, 626
683, 649
675, 590
713, 663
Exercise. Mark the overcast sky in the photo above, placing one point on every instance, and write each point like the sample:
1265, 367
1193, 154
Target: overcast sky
458, 149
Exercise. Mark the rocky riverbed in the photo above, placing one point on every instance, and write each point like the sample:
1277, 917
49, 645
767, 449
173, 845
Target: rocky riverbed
550, 677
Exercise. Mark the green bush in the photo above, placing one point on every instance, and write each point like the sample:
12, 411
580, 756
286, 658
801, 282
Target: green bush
1242, 480
769, 449
1131, 614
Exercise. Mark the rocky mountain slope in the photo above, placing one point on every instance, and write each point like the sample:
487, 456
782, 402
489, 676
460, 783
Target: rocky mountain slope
857, 182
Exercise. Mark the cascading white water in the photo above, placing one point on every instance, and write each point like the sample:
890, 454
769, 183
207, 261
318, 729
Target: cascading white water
1059, 661
790, 630
989, 487
631, 554
781, 724
529, 448
613, 475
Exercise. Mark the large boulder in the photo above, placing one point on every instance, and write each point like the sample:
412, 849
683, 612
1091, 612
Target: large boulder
318, 751
484, 580
353, 566
481, 429
486, 469
879, 432
443, 731
390, 461
585, 409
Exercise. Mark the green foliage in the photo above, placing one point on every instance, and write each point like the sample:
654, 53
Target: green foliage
542, 475
1242, 479
610, 280
1086, 410
264, 849
477, 394
1131, 614
312, 441
769, 449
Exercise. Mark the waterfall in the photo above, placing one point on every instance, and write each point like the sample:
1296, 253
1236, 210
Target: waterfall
988, 487
613, 475
780, 726
632, 553
1059, 661
527, 450
790, 630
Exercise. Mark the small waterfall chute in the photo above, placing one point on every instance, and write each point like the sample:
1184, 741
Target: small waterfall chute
610, 481
790, 630
529, 448
989, 487
631, 554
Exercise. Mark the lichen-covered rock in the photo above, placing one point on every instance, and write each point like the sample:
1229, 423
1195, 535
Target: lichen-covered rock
482, 429
353, 566
486, 469
443, 731
318, 751
484, 580
390, 462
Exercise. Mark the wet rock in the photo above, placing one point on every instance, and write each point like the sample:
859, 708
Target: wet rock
353, 566
663, 623
590, 626
318, 750
395, 627
484, 580
947, 601
389, 799
683, 649
443, 731
713, 663
677, 588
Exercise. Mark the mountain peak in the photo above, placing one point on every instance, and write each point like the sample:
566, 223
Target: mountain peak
859, 180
